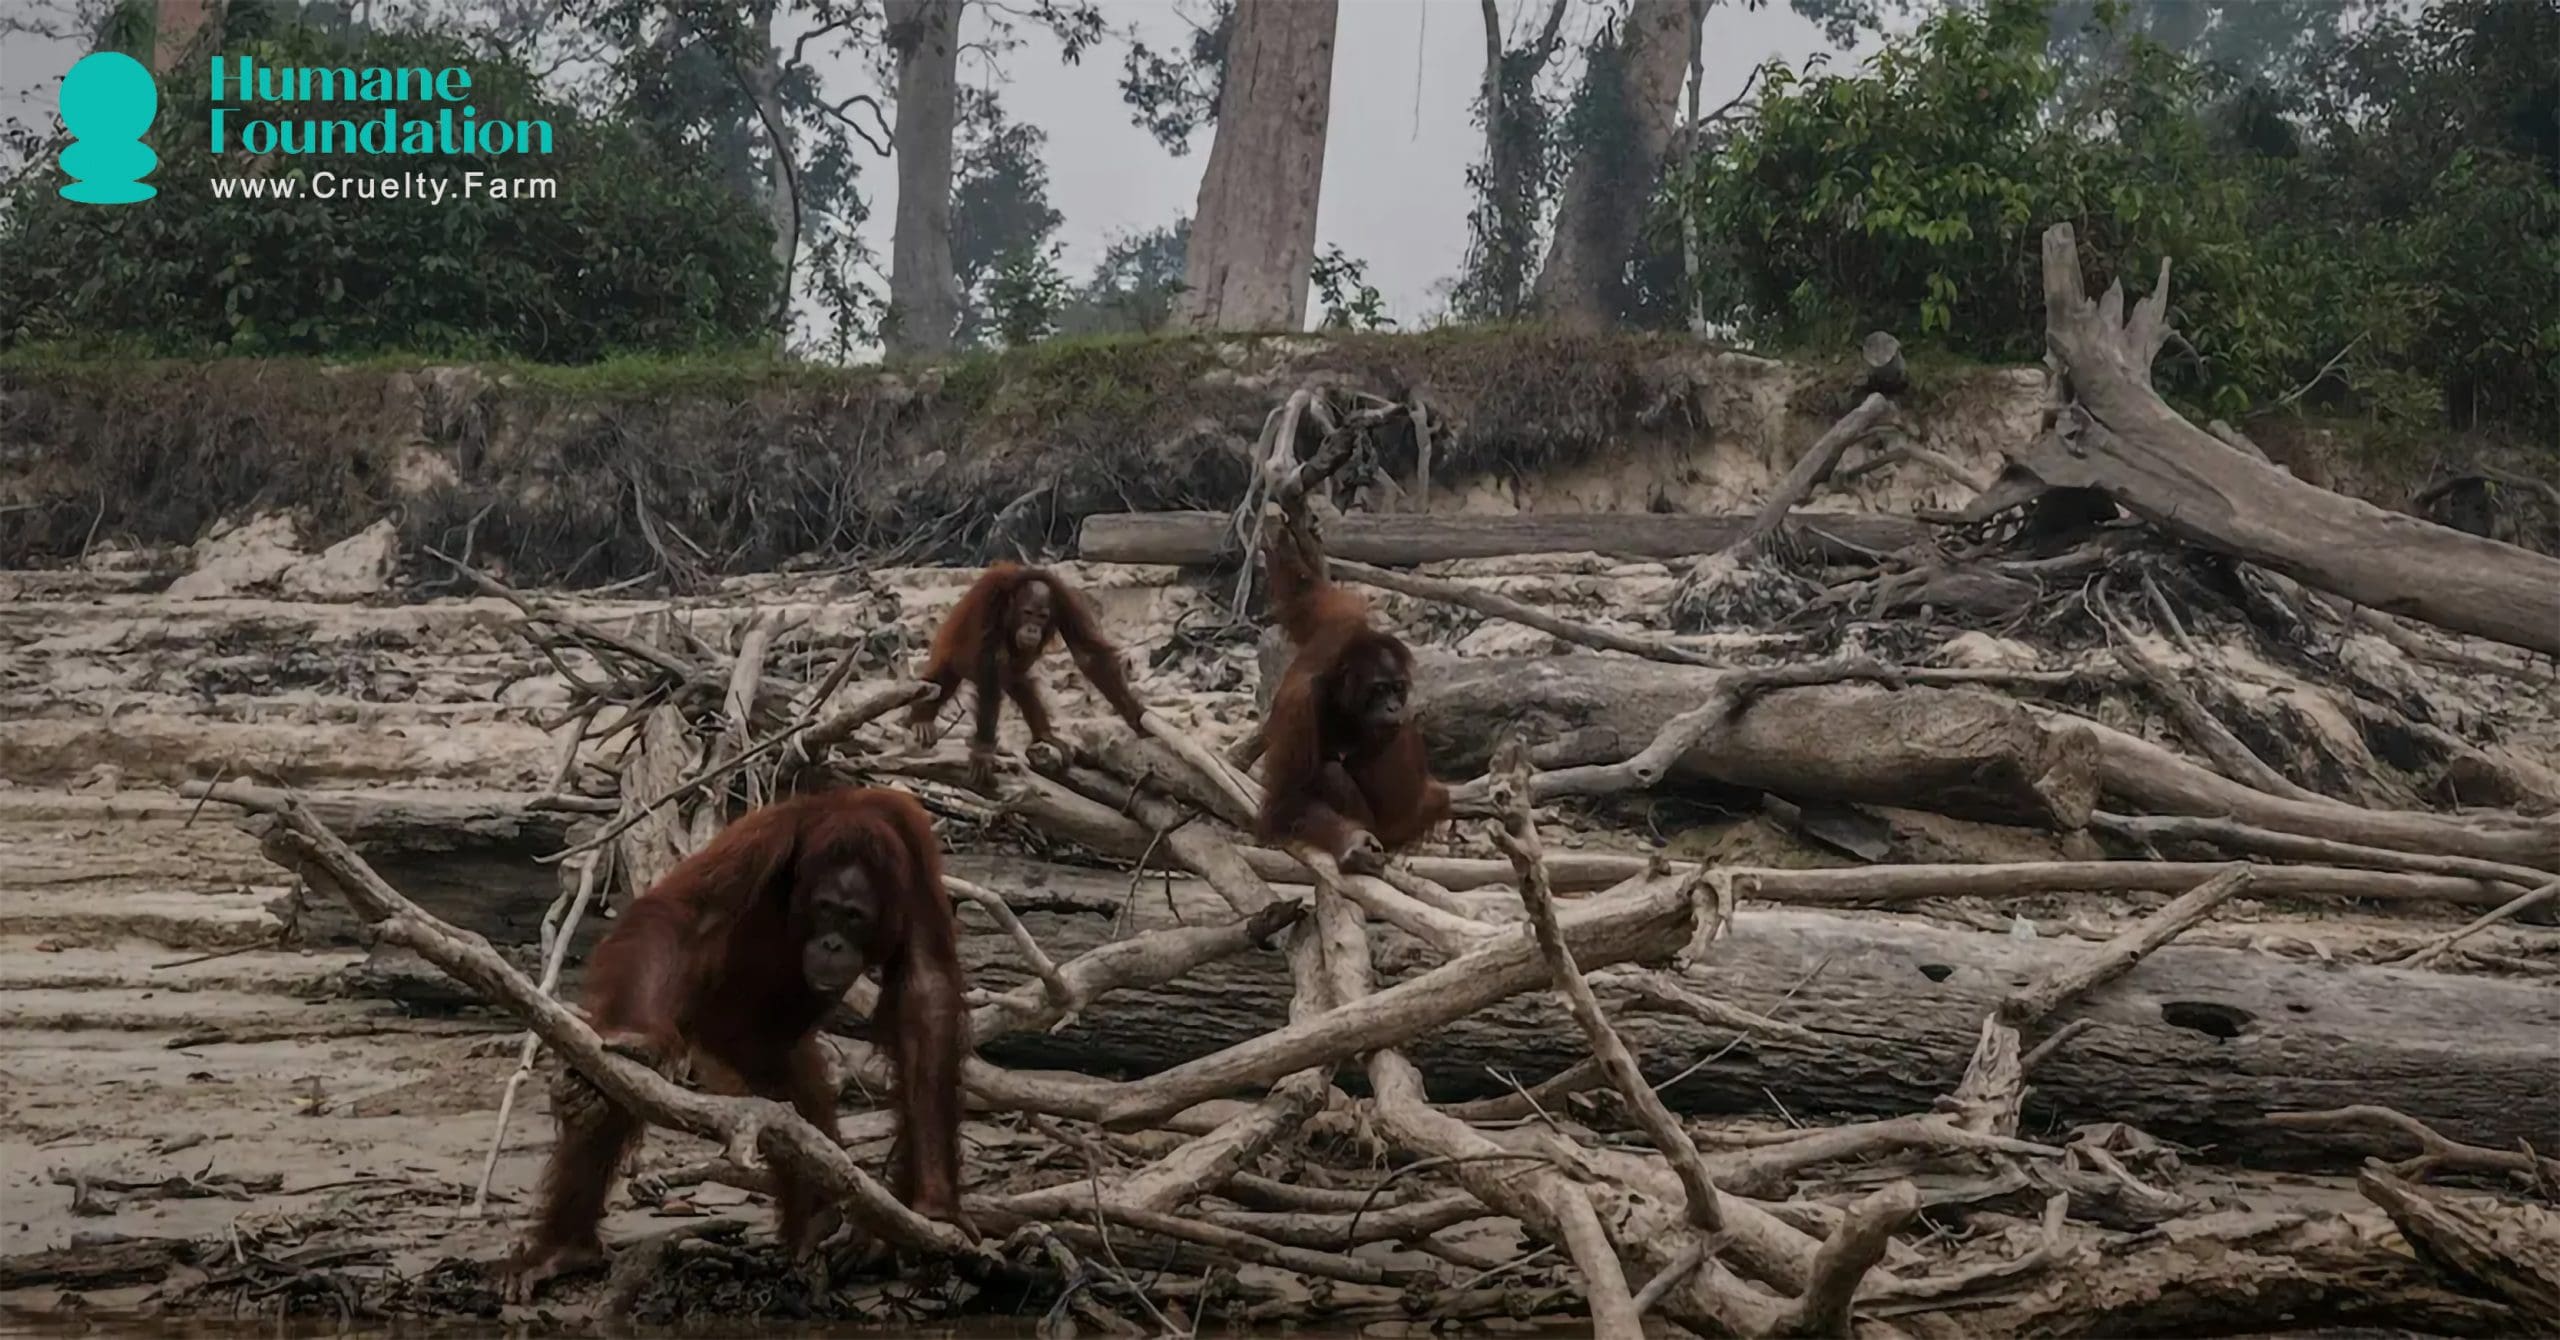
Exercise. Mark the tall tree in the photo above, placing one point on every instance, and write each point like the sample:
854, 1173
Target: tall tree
1253, 235
1634, 83
924, 290
1001, 218
1691, 129
1516, 179
710, 77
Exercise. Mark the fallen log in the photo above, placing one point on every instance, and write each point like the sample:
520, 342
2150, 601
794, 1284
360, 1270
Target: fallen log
1964, 753
2147, 777
2234, 1273
2197, 1043
1959, 752
2123, 440
1060, 903
1404, 539
2511, 1252
470, 858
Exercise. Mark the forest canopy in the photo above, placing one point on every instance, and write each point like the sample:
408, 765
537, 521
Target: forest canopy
2361, 199
2379, 233
642, 250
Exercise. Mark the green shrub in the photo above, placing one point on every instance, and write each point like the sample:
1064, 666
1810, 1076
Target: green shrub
2393, 250
641, 250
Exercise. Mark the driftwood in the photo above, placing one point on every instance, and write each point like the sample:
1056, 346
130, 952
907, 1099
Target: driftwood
2511, 1251
1811, 469
1987, 1100
2240, 1273
2197, 1042
1405, 539
1512, 1041
2365, 1126
1068, 907
1958, 751
2142, 775
1209, 1015
469, 857
2120, 438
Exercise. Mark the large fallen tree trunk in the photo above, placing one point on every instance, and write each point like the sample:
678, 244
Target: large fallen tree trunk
2125, 441
2146, 776
1402, 540
1955, 751
472, 858
2196, 1043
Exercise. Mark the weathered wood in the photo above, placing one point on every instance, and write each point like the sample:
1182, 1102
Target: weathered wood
435, 820
2143, 776
105, 1262
1951, 750
2511, 1252
2127, 442
1954, 751
1403, 539
1813, 467
468, 857
2234, 1273
2196, 1043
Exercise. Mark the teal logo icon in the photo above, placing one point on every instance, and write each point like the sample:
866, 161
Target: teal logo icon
108, 100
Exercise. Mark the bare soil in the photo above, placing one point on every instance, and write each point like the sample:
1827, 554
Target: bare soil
158, 1024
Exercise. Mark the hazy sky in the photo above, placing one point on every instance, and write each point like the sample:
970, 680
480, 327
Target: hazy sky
1395, 193
1405, 74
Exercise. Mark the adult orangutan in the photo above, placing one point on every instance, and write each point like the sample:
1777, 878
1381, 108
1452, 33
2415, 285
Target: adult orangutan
731, 961
1008, 619
1344, 770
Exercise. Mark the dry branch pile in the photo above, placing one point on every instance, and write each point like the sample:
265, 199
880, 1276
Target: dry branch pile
1468, 1089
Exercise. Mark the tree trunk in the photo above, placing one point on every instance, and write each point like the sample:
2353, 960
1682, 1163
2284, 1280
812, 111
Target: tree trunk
1513, 195
1611, 182
924, 293
1253, 232
1977, 755
782, 166
1404, 539
2196, 1043
2129, 444
472, 858
1697, 311
1946, 750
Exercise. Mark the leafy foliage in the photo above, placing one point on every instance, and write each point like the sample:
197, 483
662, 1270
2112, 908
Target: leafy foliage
1173, 94
1134, 287
1342, 286
560, 279
1001, 219
706, 78
1542, 115
2385, 237
1025, 294
2276, 42
1515, 182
